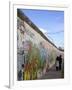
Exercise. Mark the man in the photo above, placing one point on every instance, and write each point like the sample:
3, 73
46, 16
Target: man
60, 62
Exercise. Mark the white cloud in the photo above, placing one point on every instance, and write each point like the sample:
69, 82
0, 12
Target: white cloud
43, 30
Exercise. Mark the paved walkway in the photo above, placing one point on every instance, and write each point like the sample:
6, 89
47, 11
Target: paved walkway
52, 74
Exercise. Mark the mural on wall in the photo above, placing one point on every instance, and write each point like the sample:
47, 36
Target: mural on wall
33, 59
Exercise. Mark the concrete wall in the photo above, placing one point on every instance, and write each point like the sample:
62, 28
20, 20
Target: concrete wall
29, 34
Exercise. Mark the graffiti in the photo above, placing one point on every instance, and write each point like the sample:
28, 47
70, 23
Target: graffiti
20, 25
30, 33
35, 62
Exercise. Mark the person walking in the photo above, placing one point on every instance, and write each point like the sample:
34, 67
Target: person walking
60, 62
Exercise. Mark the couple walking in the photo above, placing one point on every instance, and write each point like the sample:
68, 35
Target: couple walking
58, 62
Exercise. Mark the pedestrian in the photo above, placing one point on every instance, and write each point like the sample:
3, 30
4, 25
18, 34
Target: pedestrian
57, 63
60, 62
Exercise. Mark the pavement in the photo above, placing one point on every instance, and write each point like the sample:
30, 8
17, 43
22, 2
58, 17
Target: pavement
52, 74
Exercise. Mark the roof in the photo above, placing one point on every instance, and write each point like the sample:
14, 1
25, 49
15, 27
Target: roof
22, 16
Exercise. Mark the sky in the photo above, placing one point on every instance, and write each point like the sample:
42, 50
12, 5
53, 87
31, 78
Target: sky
50, 22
